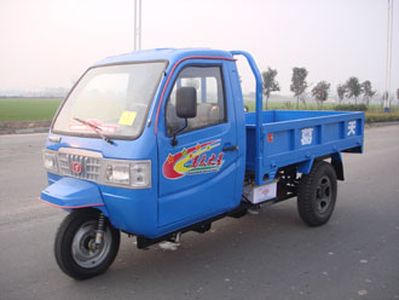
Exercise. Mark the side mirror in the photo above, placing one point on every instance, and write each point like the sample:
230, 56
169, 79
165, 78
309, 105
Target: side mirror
186, 102
186, 107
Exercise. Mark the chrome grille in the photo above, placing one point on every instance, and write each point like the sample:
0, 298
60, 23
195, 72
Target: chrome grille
90, 164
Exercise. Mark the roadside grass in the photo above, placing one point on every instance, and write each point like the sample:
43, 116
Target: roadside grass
27, 109
374, 112
372, 117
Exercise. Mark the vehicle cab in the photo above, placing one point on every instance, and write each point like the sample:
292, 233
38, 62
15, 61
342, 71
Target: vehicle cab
152, 139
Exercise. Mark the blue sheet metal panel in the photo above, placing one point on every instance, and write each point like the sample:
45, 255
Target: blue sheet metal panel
237, 100
303, 122
72, 193
287, 115
191, 197
267, 117
169, 54
121, 149
199, 196
131, 210
299, 156
333, 131
250, 118
279, 142
304, 137
181, 207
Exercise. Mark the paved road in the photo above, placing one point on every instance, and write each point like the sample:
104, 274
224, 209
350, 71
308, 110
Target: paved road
269, 256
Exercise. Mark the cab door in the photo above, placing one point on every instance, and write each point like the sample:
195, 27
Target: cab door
198, 174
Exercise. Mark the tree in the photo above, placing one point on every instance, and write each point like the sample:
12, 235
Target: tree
341, 91
270, 84
397, 94
320, 92
299, 84
353, 88
367, 91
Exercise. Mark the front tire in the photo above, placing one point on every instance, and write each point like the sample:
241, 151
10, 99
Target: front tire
317, 194
75, 250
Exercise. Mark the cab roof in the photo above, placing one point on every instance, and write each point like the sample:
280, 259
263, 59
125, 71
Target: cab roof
168, 54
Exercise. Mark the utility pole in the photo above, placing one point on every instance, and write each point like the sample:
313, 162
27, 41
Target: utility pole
137, 25
388, 64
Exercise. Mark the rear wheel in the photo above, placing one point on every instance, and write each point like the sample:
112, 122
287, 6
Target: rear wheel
76, 251
317, 194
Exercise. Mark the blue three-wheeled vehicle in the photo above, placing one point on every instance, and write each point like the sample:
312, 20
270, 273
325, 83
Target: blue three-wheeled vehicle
156, 143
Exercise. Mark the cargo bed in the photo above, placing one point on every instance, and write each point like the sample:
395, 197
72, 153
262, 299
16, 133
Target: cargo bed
299, 137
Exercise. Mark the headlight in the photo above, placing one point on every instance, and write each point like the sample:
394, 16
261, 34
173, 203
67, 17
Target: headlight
135, 174
118, 173
50, 160
141, 174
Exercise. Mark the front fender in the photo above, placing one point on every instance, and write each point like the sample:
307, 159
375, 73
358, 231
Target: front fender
70, 193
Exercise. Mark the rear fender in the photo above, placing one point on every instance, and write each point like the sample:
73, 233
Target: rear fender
69, 193
336, 161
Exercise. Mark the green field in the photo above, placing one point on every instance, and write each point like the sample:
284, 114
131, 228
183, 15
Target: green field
27, 109
34, 109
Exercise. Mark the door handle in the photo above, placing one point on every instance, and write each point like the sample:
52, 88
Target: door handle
230, 148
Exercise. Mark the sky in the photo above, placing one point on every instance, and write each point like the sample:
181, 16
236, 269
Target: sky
49, 43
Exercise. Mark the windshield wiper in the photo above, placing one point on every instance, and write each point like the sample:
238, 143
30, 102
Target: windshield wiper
96, 129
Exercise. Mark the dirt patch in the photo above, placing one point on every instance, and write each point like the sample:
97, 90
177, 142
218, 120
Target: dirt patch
11, 127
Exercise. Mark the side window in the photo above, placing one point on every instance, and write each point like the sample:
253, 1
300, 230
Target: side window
211, 108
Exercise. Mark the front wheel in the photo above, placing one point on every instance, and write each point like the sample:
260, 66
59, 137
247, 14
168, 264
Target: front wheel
317, 194
77, 253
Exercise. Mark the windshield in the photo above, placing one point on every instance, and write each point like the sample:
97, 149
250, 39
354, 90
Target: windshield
115, 99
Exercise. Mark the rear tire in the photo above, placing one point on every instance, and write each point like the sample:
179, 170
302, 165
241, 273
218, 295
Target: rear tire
74, 247
317, 194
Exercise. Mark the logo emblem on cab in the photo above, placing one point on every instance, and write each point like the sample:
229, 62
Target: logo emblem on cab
76, 167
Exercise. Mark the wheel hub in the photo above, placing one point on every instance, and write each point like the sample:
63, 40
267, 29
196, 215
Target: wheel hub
323, 195
85, 252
